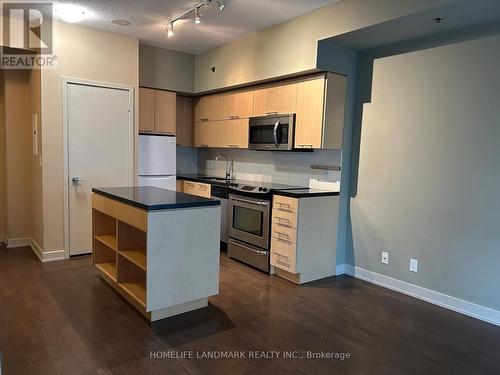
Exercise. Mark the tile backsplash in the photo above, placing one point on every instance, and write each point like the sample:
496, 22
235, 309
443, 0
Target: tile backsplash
293, 168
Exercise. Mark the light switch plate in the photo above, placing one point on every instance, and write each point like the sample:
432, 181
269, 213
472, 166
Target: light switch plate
385, 257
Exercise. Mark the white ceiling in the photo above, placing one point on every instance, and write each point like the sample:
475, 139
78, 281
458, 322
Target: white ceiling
240, 17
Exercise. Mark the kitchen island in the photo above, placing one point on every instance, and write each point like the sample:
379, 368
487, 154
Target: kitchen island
158, 248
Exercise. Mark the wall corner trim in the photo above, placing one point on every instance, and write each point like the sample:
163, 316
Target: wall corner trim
47, 256
458, 305
3, 238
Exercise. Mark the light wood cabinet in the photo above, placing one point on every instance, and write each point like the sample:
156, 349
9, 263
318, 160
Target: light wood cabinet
320, 112
157, 111
184, 127
146, 110
208, 134
304, 237
234, 133
197, 188
207, 108
310, 109
277, 99
165, 112
236, 105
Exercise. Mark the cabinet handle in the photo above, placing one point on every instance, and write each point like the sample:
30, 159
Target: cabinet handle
234, 117
285, 206
168, 133
271, 113
305, 146
203, 145
282, 234
233, 146
282, 220
282, 240
203, 119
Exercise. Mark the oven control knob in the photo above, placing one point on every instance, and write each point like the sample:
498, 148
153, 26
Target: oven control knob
260, 189
264, 189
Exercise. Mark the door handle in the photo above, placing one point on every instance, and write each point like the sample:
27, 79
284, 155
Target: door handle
275, 133
76, 180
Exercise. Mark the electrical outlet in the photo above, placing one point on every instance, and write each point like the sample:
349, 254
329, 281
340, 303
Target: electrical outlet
413, 265
385, 257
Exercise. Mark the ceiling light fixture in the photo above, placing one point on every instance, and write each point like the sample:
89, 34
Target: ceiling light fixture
194, 9
170, 29
197, 19
220, 4
71, 13
119, 22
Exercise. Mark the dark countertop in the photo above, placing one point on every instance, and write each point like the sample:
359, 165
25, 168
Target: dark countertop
305, 193
152, 198
279, 189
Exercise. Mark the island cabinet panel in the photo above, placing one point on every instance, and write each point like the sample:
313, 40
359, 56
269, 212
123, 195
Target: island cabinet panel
146, 110
184, 121
236, 105
165, 267
235, 133
207, 108
165, 112
276, 99
310, 113
304, 237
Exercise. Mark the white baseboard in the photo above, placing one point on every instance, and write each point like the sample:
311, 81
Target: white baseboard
44, 256
3, 238
443, 300
18, 242
47, 256
340, 269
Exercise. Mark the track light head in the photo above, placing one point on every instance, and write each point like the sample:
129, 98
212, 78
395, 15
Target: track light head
220, 4
197, 19
170, 29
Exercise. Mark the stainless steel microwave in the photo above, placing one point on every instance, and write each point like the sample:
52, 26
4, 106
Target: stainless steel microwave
271, 133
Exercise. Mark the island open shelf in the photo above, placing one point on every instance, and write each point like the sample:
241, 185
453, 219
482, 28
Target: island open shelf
164, 261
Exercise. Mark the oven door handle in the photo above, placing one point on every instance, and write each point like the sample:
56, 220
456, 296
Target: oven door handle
275, 133
259, 203
260, 252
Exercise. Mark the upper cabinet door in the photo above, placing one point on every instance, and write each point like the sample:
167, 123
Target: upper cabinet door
235, 133
146, 110
236, 105
207, 108
279, 99
184, 128
165, 112
310, 113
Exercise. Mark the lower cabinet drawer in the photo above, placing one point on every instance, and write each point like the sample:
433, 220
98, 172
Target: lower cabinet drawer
285, 218
197, 188
286, 204
284, 232
204, 190
283, 255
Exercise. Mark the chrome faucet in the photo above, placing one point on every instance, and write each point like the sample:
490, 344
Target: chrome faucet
229, 165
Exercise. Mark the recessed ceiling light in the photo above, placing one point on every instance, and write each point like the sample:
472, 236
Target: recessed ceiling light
120, 22
72, 13
197, 18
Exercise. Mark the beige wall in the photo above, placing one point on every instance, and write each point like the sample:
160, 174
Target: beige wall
3, 175
291, 47
88, 54
428, 172
166, 69
18, 153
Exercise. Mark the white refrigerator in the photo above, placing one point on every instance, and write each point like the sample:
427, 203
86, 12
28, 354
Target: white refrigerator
157, 161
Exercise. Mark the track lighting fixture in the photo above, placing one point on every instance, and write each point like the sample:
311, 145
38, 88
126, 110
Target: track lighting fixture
169, 25
197, 16
220, 4
170, 29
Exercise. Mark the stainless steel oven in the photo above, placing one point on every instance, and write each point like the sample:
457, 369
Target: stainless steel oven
274, 132
248, 223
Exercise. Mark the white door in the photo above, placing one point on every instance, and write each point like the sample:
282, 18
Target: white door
100, 152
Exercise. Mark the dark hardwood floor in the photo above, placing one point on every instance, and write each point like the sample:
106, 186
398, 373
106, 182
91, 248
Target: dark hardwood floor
60, 318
